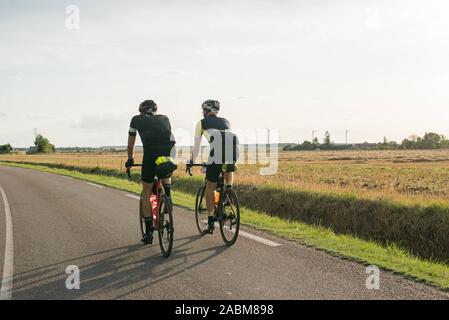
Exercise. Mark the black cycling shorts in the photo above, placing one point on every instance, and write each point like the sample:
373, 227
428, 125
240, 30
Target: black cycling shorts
149, 162
213, 171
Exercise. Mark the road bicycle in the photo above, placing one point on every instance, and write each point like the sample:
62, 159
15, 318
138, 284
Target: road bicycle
162, 212
227, 209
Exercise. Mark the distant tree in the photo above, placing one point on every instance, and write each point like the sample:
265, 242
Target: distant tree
43, 145
431, 140
6, 148
307, 145
445, 144
327, 140
288, 147
407, 144
393, 145
387, 145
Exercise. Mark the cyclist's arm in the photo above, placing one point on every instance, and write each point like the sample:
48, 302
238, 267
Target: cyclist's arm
131, 139
197, 141
131, 142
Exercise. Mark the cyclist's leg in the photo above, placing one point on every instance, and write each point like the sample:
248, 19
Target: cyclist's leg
228, 174
148, 173
229, 179
210, 197
146, 193
166, 183
212, 174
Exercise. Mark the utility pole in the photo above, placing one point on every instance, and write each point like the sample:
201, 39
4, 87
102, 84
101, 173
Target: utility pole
346, 134
35, 133
268, 133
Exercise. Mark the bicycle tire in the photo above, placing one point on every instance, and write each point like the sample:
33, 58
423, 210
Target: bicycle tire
165, 228
233, 219
199, 208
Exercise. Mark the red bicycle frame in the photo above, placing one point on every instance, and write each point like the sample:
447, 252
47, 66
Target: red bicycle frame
154, 197
154, 201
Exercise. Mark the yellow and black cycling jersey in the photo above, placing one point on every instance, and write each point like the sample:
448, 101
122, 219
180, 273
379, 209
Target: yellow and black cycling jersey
213, 127
204, 126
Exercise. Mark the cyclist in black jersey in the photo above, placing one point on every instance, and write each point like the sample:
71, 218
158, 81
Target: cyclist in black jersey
157, 139
213, 127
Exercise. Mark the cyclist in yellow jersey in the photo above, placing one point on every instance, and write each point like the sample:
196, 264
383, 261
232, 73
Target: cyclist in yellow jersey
209, 127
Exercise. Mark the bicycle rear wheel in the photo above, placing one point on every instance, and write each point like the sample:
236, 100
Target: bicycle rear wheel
229, 218
201, 212
165, 229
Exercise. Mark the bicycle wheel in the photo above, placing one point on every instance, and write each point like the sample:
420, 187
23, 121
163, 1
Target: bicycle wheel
229, 218
201, 212
142, 219
165, 229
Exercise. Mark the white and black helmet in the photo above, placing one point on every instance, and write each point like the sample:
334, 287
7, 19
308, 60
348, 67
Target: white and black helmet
211, 105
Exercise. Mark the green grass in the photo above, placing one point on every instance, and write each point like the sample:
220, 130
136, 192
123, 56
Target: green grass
347, 246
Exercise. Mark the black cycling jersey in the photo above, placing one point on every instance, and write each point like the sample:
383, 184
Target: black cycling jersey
157, 140
154, 130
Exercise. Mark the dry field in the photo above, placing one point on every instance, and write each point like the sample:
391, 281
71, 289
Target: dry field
419, 174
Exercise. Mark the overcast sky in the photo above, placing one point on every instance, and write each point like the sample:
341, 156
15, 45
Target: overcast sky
377, 68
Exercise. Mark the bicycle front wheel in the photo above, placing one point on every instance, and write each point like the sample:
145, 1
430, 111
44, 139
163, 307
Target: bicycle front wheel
201, 212
165, 229
229, 219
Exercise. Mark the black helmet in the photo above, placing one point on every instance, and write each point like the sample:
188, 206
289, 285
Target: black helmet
148, 106
211, 105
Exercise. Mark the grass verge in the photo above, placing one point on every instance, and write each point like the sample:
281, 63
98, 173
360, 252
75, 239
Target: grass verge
367, 252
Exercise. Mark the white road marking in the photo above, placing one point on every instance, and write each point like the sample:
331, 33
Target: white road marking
259, 239
132, 196
95, 185
252, 237
7, 278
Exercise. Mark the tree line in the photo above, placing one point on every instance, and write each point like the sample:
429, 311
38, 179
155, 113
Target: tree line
430, 140
42, 145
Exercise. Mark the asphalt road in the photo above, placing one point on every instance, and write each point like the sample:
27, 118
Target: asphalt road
58, 222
